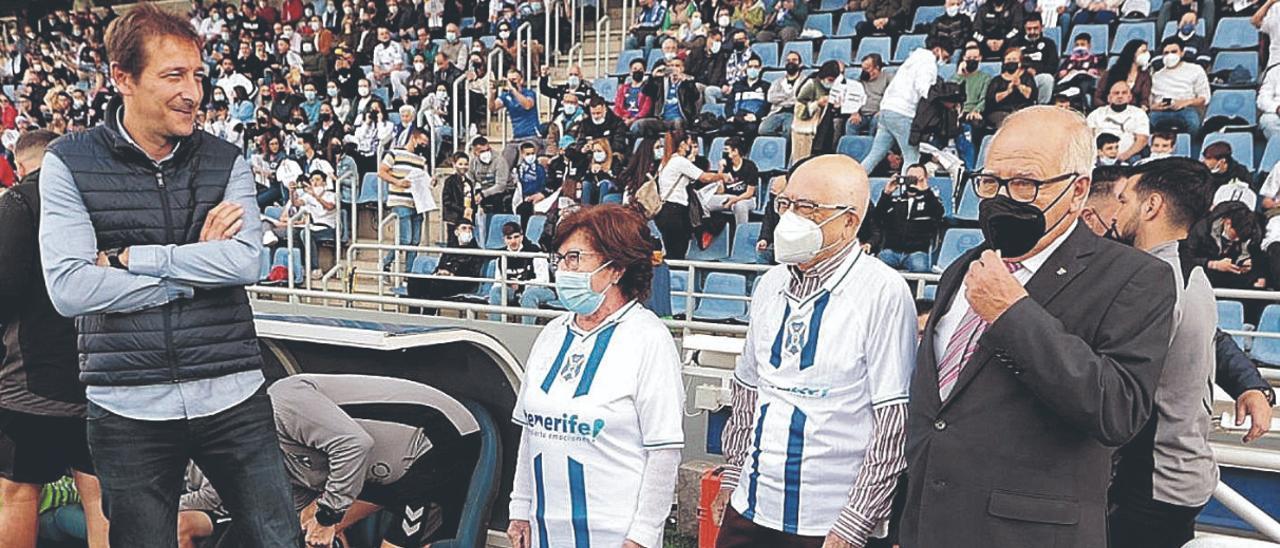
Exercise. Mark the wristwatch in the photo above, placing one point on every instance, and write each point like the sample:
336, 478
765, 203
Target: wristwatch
113, 258
1270, 394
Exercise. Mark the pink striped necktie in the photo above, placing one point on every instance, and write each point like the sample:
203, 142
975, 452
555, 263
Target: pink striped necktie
962, 345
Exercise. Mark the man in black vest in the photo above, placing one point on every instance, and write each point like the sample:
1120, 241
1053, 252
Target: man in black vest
144, 242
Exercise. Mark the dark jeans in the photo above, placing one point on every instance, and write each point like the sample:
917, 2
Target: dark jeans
1137, 521
673, 224
141, 465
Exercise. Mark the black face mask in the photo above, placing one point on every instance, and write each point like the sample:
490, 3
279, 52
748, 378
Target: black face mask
864, 76
1012, 227
970, 65
637, 75
1009, 68
1119, 108
1113, 234
793, 69
740, 46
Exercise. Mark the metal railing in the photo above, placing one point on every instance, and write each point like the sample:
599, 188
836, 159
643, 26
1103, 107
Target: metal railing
461, 119
524, 49
602, 39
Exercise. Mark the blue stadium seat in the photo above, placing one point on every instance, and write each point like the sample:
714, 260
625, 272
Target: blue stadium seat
1228, 60
424, 264
769, 154
771, 76
615, 198
992, 68
714, 108
1241, 146
372, 189
493, 236
982, 151
803, 49
873, 44
831, 5
835, 49
1268, 350
489, 42
907, 43
383, 94
606, 87
481, 294
537, 224
655, 55
926, 14
1100, 34
1171, 28
1234, 33
930, 292
954, 243
624, 60
1231, 317
877, 187
947, 71
1182, 145
264, 263
1128, 31
722, 283
486, 480
945, 188
1270, 156
854, 146
717, 251
679, 285
821, 22
716, 151
768, 53
849, 24
744, 244
1055, 34
1239, 103
968, 210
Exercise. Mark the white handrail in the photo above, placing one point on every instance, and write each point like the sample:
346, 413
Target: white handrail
493, 63
288, 224
460, 123
607, 23
1251, 514
526, 51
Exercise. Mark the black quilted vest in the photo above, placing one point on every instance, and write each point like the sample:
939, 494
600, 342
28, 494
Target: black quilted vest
132, 201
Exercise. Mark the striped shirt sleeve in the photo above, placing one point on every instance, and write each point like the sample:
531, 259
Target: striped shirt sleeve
737, 432
871, 498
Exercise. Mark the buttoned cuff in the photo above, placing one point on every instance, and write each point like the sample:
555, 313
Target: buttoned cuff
147, 260
851, 527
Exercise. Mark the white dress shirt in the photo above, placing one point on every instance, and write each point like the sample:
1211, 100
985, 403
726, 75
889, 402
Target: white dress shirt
950, 321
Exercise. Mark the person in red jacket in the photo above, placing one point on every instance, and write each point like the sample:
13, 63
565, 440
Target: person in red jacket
631, 103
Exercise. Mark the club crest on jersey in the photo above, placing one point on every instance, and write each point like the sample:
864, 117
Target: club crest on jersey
573, 368
796, 330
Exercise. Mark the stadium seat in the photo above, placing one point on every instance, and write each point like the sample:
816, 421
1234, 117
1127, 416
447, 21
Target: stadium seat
772, 76
831, 5
714, 108
1234, 33
1171, 28
486, 480
712, 309
873, 44
372, 189
537, 224
930, 292
849, 24
383, 94
1101, 35
1182, 145
488, 41
615, 198
1231, 317
607, 87
835, 49
424, 264
854, 146
945, 188
1052, 33
264, 263
992, 68
679, 286
1270, 156
926, 14
769, 154
716, 151
821, 22
1238, 103
803, 49
493, 236
768, 53
946, 72
1129, 31
1264, 349
717, 251
655, 55
1241, 146
954, 243
481, 294
968, 210
982, 151
624, 60
1229, 60
744, 244
877, 187
907, 43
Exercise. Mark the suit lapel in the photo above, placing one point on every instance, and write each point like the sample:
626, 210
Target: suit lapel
1067, 262
948, 292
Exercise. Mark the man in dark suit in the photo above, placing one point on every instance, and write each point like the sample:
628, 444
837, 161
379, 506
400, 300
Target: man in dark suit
1042, 355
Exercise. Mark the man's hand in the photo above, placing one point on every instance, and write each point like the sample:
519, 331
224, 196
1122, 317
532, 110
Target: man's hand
1225, 265
1253, 404
892, 186
518, 533
855, 119
991, 289
631, 544
223, 222
762, 245
721, 501
834, 541
319, 535
443, 273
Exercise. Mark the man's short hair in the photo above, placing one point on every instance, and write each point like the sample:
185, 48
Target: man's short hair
479, 142
596, 101
1084, 36
509, 228
876, 60
1105, 139
460, 156
527, 146
1165, 136
127, 36
1033, 16
1220, 150
33, 142
1185, 184
1172, 40
307, 138
1104, 178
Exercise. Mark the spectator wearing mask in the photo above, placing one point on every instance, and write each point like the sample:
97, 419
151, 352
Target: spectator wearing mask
735, 67
460, 196
1081, 68
388, 62
885, 17
910, 213
707, 62
493, 173
520, 272
452, 265
1194, 47
998, 19
1121, 118
1013, 90
631, 102
574, 85
782, 98
1269, 104
568, 116
453, 46
1267, 19
1178, 91
1100, 12
953, 28
420, 76
1226, 243
315, 197
1224, 167
522, 109
400, 168
1161, 146
815, 109
874, 81
1131, 67
1108, 149
975, 84
677, 94
602, 124
677, 172
649, 17
1040, 55
738, 194
531, 181
785, 23
909, 86
748, 104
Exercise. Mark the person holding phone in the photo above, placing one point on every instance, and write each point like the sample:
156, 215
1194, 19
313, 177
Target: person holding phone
1180, 90
910, 212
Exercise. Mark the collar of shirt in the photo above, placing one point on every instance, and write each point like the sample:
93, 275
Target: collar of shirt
1034, 262
611, 319
1167, 251
804, 282
124, 131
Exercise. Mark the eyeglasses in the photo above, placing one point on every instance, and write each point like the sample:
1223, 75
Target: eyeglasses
1021, 189
804, 208
569, 261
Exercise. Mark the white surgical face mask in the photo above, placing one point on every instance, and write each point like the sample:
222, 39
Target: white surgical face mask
798, 240
464, 238
363, 91
953, 10
1171, 60
419, 66
599, 156
715, 47
1143, 59
723, 21
486, 156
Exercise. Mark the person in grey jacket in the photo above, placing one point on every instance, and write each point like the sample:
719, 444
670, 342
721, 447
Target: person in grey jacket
493, 172
354, 444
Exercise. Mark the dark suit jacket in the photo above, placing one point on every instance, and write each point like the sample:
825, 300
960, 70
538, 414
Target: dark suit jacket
1020, 453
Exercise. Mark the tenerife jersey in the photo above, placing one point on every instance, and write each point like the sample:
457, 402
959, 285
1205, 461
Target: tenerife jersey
819, 366
592, 404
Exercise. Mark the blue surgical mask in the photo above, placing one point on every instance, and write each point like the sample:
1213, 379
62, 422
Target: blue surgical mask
574, 290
